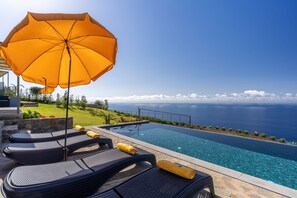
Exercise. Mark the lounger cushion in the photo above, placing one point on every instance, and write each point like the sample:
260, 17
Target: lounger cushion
50, 152
42, 137
156, 182
112, 155
78, 178
29, 175
22, 147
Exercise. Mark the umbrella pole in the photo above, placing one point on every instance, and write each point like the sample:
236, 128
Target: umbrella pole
67, 103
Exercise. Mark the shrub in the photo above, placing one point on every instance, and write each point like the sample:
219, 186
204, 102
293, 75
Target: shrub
204, 126
223, 128
230, 129
182, 123
245, 132
107, 117
238, 131
30, 114
217, 127
122, 119
198, 126
255, 133
163, 122
210, 127
92, 111
262, 135
272, 137
282, 140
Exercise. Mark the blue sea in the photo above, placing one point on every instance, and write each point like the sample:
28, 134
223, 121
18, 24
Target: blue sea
279, 120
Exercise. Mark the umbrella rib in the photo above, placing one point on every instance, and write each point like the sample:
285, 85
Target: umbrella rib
58, 33
81, 62
70, 31
62, 54
75, 52
38, 57
35, 39
63, 51
93, 50
93, 35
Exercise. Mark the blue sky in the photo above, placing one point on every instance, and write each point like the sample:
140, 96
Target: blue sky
186, 50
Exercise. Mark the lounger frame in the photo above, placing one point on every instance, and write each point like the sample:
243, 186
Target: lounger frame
152, 183
43, 137
50, 152
80, 185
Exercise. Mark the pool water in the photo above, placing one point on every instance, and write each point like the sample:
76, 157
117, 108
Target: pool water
274, 162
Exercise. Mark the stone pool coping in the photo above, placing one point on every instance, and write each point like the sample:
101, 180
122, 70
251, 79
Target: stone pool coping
274, 188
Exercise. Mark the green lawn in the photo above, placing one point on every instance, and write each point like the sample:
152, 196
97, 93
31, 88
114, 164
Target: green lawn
81, 117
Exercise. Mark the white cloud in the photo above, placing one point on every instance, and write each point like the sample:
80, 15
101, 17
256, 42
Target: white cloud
255, 93
248, 96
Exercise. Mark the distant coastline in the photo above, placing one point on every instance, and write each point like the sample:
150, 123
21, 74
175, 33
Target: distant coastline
279, 120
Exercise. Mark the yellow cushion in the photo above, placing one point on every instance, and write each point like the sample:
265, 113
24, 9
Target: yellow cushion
93, 134
126, 148
79, 128
177, 169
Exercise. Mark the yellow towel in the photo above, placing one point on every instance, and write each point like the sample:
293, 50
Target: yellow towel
93, 134
126, 148
79, 128
177, 169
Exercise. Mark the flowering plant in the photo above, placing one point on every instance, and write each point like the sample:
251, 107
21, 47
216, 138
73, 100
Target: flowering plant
42, 116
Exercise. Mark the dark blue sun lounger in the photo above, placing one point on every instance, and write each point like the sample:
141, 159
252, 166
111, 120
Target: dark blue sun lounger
50, 152
156, 182
43, 137
76, 178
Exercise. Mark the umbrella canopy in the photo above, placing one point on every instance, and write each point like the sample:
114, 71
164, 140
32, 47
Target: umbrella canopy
37, 48
65, 49
47, 90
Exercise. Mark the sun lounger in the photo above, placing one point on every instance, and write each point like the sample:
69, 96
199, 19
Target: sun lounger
156, 182
49, 152
76, 178
43, 137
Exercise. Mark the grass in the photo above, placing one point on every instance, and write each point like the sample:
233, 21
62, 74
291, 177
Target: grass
81, 117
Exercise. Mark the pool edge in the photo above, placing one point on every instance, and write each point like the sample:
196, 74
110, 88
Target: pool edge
261, 183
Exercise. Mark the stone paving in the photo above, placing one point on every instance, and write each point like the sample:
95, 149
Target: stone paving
225, 186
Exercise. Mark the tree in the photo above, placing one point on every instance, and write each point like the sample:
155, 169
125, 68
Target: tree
77, 101
12, 90
35, 91
71, 100
58, 100
99, 103
64, 99
105, 105
83, 102
50, 99
45, 99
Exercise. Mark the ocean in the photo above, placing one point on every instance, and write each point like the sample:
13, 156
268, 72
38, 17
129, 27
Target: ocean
279, 120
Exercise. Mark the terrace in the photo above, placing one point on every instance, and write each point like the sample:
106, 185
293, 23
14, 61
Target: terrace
227, 183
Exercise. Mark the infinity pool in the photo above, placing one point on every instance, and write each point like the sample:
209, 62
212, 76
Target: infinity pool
270, 161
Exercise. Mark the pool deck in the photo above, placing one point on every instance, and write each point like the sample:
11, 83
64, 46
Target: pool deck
228, 183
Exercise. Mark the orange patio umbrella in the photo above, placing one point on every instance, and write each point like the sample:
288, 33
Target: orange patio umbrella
65, 49
47, 90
